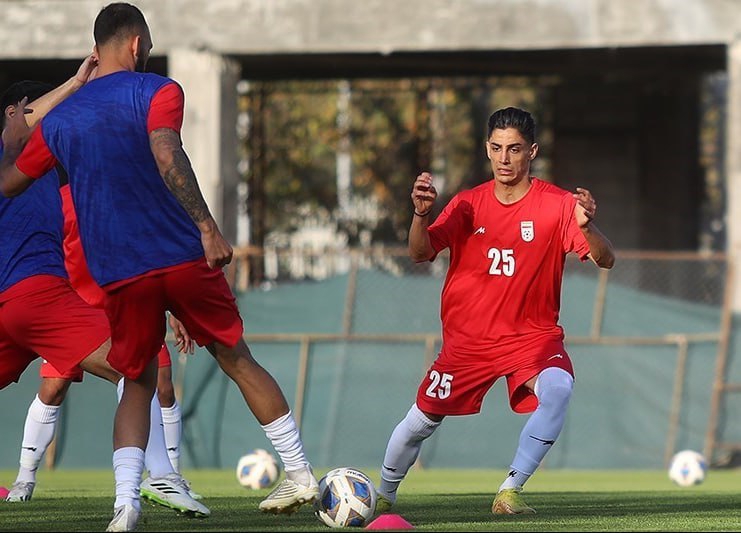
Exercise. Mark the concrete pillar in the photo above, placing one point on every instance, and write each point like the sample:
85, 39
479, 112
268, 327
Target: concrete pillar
733, 165
209, 128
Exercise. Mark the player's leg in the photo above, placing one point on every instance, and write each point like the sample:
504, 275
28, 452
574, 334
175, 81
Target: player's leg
171, 416
552, 387
38, 432
137, 319
200, 297
402, 451
265, 399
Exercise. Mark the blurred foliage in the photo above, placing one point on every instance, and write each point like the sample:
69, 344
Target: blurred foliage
395, 130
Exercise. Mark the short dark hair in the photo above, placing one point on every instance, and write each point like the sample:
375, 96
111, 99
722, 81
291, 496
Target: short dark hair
16, 92
513, 117
117, 20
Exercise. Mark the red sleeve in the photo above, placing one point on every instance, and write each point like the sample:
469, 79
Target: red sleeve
449, 224
573, 238
166, 108
36, 159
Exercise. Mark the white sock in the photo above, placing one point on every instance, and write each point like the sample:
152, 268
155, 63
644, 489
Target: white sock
172, 420
128, 465
284, 436
156, 459
553, 389
403, 448
38, 433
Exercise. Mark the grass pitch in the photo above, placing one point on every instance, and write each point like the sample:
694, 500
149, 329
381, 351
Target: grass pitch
431, 500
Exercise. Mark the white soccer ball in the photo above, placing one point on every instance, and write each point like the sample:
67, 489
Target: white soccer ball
347, 498
257, 469
688, 468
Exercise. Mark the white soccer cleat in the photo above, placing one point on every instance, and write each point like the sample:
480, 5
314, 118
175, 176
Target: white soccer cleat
289, 495
125, 518
172, 491
21, 491
193, 494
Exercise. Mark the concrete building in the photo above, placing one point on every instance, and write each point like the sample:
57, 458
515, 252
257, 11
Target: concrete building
626, 106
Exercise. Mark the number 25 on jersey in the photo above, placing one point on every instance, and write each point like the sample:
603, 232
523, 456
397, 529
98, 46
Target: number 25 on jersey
502, 262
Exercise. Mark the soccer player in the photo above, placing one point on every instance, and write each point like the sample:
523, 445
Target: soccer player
508, 240
151, 244
42, 414
30, 272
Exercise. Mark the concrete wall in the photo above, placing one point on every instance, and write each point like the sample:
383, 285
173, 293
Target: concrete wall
45, 28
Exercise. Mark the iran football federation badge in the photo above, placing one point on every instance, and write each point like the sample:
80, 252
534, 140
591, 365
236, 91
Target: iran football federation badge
527, 230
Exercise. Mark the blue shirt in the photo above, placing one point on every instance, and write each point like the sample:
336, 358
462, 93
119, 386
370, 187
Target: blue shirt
31, 232
130, 223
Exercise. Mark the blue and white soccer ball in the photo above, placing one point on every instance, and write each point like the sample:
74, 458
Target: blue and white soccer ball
258, 469
347, 498
688, 468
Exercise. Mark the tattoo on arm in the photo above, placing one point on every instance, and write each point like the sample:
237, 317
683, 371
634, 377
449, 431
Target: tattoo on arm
176, 170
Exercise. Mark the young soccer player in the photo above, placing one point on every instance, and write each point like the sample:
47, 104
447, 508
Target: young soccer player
508, 240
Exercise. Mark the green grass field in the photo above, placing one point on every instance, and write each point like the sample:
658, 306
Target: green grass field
431, 500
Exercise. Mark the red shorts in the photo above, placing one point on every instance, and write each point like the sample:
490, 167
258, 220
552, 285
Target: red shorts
199, 296
48, 371
49, 320
457, 385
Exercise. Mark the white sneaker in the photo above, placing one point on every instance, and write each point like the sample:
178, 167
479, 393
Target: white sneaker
21, 491
172, 491
125, 518
289, 495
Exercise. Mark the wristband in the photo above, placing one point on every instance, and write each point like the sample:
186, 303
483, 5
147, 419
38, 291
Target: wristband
423, 214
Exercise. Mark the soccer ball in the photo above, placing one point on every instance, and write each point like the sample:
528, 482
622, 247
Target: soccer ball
257, 470
688, 468
347, 498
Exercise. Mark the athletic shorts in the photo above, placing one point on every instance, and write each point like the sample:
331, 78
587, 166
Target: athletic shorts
48, 371
199, 296
457, 385
50, 321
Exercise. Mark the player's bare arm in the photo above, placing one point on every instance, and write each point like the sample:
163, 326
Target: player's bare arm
175, 168
424, 195
183, 340
37, 109
600, 247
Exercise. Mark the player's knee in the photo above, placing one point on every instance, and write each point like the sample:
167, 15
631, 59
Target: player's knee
53, 391
554, 387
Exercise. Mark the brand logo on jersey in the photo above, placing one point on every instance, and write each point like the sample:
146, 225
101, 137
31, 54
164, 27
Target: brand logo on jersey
527, 231
480, 231
557, 356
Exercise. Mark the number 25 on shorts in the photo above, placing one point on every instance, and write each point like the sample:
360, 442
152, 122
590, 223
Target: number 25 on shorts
440, 385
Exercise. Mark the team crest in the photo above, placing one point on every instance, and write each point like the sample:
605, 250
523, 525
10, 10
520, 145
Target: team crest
527, 230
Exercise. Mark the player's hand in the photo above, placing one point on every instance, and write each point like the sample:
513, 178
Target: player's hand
218, 251
88, 69
183, 341
423, 193
17, 132
586, 208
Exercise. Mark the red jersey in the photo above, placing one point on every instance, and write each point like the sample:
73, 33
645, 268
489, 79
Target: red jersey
503, 286
74, 257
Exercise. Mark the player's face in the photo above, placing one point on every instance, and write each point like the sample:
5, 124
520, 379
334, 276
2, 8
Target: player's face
510, 155
142, 55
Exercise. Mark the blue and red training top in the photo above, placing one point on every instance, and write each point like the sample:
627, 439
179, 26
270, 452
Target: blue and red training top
130, 223
31, 227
